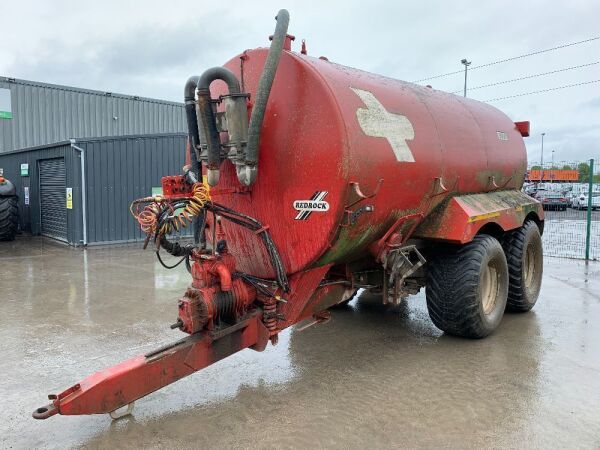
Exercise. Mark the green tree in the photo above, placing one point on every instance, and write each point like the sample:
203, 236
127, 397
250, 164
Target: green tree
567, 167
536, 168
584, 172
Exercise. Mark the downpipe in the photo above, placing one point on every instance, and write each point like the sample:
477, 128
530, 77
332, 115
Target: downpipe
83, 190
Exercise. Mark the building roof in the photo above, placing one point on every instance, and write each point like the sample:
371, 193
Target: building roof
18, 81
42, 113
83, 140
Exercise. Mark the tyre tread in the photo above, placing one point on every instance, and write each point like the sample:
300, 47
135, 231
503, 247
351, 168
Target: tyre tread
514, 244
9, 218
452, 287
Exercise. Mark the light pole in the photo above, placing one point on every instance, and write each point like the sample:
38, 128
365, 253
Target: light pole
466, 64
552, 168
542, 160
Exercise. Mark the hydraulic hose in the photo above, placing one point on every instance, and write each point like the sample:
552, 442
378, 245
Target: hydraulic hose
262, 97
174, 248
207, 116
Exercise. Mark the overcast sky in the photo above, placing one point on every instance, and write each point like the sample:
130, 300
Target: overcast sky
150, 47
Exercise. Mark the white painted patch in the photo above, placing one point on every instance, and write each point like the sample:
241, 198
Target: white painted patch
376, 121
502, 135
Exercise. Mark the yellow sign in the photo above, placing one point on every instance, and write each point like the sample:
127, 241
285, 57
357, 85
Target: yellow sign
69, 198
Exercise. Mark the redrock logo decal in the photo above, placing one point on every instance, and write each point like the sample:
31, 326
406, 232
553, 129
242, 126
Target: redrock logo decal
306, 207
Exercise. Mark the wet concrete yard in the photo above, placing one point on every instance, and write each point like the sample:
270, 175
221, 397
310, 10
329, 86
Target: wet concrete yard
373, 377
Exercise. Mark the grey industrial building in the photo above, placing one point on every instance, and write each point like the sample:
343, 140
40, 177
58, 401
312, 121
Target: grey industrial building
33, 113
78, 157
78, 191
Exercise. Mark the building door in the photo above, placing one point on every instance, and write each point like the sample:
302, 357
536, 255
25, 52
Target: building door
53, 209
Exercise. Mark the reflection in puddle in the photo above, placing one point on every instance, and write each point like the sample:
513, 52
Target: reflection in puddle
227, 378
373, 377
170, 279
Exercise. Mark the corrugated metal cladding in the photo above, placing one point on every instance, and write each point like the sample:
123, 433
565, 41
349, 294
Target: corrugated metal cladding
46, 113
117, 171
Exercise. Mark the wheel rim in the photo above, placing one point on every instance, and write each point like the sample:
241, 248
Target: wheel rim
529, 266
489, 287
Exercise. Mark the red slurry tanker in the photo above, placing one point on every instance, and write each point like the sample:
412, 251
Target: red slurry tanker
325, 180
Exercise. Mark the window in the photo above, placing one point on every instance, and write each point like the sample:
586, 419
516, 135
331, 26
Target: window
5, 104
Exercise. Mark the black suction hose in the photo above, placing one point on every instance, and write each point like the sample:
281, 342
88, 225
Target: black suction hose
194, 138
207, 116
264, 89
219, 73
189, 94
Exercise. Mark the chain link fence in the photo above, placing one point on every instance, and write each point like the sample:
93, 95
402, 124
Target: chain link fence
570, 194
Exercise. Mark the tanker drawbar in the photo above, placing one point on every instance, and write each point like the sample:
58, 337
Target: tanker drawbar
309, 181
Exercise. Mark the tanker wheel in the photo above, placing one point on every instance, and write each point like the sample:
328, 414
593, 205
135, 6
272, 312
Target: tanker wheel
467, 287
524, 254
8, 218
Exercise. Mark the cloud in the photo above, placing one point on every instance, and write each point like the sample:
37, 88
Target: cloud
150, 47
593, 103
132, 61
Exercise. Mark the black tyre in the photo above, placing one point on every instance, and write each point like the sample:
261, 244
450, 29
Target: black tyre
8, 218
467, 287
525, 258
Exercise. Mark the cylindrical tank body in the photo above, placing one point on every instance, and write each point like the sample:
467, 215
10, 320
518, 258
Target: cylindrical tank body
330, 132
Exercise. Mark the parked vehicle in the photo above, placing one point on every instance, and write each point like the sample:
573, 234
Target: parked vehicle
529, 189
552, 200
581, 201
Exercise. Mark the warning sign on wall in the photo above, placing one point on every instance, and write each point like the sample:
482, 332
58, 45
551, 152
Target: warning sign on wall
69, 198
